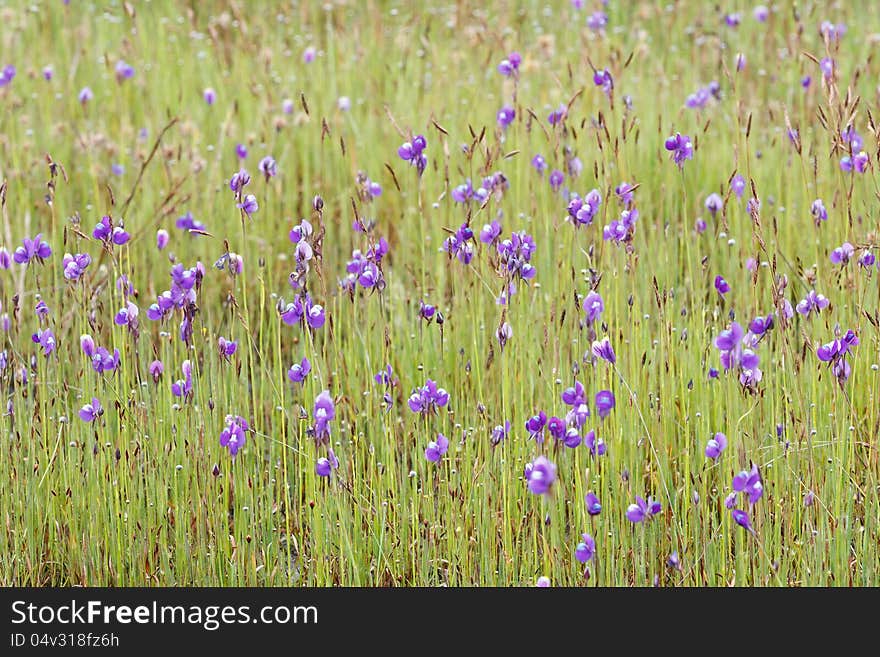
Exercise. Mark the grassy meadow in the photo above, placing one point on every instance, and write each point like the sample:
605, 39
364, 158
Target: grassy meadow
142, 492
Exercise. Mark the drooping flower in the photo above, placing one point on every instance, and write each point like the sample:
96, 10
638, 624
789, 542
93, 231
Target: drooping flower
156, 369
602, 348
596, 446
817, 209
124, 71
249, 205
721, 286
741, 518
558, 115
738, 185
594, 508
184, 387
714, 203
268, 167
499, 433
505, 116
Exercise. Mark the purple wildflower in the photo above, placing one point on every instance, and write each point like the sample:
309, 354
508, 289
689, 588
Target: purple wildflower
413, 152
813, 302
604, 403
535, 426
540, 475
323, 412
32, 249
509, 66
428, 399
91, 411
437, 448
602, 348
642, 510
748, 482
585, 549
234, 434
299, 371
716, 445
681, 148
325, 465
741, 518
842, 254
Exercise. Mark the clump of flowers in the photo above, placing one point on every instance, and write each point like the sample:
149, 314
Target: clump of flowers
493, 185
323, 413
582, 211
234, 434
736, 351
835, 352
701, 97
183, 388
302, 310
514, 262
428, 399
75, 265
110, 234
182, 296
414, 153
680, 147
460, 244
